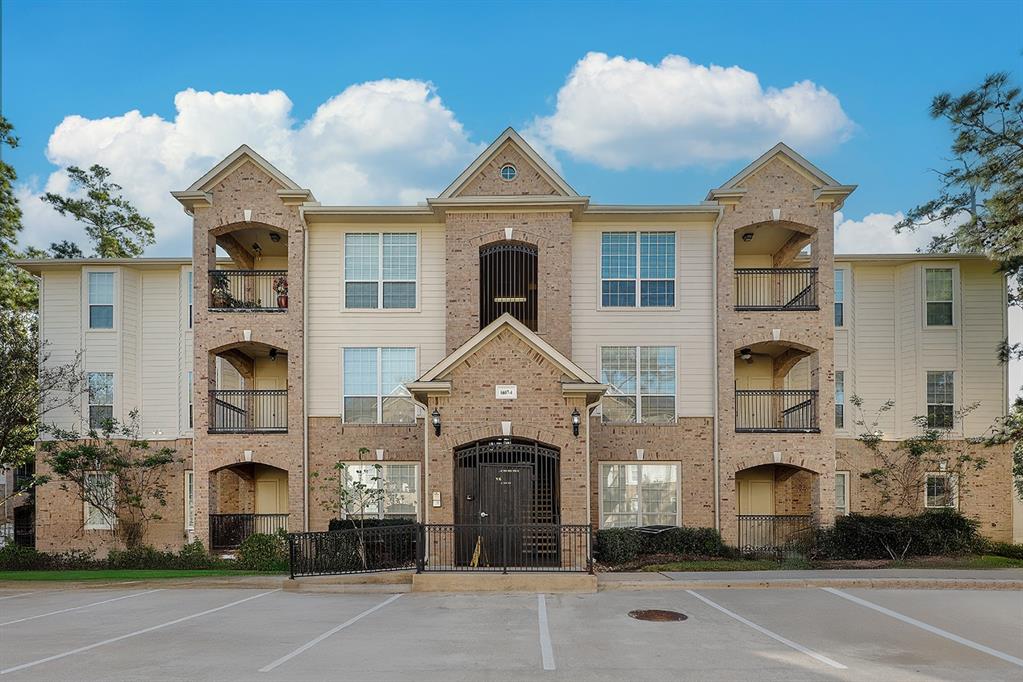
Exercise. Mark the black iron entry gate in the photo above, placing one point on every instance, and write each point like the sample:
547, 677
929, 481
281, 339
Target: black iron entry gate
502, 487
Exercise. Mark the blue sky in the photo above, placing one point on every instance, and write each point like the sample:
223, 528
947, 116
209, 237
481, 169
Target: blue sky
418, 88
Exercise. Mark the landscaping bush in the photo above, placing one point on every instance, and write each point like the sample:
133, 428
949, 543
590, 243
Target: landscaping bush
348, 524
933, 533
191, 556
17, 558
262, 552
616, 546
1006, 549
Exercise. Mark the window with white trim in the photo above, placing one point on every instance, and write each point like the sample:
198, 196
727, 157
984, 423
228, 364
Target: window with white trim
840, 399
940, 400
941, 491
190, 391
189, 500
842, 493
189, 299
373, 390
101, 300
99, 488
639, 494
101, 398
641, 383
637, 269
400, 483
938, 285
839, 298
380, 270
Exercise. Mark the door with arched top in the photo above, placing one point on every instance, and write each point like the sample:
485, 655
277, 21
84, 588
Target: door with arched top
508, 282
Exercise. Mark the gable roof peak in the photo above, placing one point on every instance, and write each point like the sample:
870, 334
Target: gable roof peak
781, 149
233, 160
509, 135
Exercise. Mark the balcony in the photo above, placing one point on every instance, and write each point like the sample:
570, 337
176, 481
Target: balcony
228, 531
263, 291
776, 411
248, 411
776, 289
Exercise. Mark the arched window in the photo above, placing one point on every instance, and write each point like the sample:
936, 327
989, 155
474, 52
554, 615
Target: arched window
508, 282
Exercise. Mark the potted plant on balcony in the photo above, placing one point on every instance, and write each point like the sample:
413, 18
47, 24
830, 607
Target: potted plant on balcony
220, 294
281, 289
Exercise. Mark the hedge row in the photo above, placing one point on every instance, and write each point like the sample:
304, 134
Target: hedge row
933, 533
348, 524
616, 546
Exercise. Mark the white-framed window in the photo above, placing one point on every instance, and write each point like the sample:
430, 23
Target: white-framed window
400, 482
641, 384
637, 269
101, 398
941, 399
509, 172
941, 490
640, 494
189, 299
373, 390
842, 493
839, 298
938, 290
840, 399
380, 270
190, 392
189, 499
101, 487
101, 300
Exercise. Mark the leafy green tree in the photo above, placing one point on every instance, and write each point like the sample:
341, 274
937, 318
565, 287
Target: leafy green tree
18, 290
1009, 430
116, 472
983, 185
65, 249
114, 225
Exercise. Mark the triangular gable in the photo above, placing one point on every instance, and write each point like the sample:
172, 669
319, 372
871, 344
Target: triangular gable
509, 142
444, 368
234, 160
816, 175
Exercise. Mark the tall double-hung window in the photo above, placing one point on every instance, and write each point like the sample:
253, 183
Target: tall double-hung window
637, 269
839, 298
641, 383
101, 300
938, 285
373, 390
380, 270
101, 399
940, 400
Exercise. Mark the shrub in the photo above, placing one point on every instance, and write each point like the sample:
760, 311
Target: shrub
1006, 549
17, 558
348, 524
615, 546
880, 536
262, 552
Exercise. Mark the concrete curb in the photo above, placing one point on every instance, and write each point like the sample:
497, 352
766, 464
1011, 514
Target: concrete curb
802, 583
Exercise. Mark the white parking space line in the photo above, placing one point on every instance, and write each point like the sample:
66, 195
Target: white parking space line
12, 596
310, 644
924, 626
773, 635
95, 645
79, 608
546, 650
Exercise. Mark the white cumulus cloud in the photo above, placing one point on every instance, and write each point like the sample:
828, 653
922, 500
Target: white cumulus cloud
377, 142
623, 113
874, 234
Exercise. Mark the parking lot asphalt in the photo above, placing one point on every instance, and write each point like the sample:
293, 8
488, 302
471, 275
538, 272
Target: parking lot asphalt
793, 634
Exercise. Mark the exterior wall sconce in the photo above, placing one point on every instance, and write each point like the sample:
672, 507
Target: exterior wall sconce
746, 354
575, 421
435, 420
273, 355
274, 237
747, 237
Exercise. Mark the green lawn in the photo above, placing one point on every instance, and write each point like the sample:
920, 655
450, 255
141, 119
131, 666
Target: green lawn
124, 574
966, 562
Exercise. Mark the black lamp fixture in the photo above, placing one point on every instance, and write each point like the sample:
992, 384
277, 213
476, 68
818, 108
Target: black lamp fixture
435, 420
746, 354
747, 237
273, 355
575, 421
257, 248
275, 237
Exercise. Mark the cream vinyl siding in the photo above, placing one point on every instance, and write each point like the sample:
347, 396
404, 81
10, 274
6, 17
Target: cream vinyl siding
891, 349
161, 342
329, 327
185, 349
60, 324
102, 348
688, 326
131, 355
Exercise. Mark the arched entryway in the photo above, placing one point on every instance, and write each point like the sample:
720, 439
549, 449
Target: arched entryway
506, 502
776, 507
246, 498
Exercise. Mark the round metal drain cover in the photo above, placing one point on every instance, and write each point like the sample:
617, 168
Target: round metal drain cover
657, 615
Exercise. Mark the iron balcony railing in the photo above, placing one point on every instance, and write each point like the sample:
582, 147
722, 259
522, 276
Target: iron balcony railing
354, 550
248, 290
231, 530
782, 411
776, 288
778, 535
519, 547
248, 411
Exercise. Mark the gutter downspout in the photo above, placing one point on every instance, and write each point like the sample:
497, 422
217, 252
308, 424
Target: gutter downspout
305, 375
717, 397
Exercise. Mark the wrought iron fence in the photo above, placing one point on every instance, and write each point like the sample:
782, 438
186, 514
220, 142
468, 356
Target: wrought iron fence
248, 411
507, 547
249, 290
355, 550
776, 288
231, 530
786, 535
781, 411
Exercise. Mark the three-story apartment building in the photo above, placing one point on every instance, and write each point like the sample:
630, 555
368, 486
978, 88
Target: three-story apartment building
510, 352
